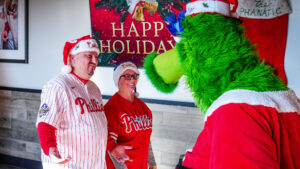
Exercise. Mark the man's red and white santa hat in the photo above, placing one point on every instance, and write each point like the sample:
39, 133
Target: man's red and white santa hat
73, 47
223, 7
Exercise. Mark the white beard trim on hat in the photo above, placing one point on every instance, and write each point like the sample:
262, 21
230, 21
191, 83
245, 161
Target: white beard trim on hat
66, 69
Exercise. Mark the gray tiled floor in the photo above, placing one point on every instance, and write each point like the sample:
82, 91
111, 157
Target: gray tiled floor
3, 166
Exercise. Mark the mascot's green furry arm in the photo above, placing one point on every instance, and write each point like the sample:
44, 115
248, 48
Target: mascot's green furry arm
251, 118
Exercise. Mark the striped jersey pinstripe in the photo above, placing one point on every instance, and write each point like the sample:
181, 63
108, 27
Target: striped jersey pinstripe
76, 110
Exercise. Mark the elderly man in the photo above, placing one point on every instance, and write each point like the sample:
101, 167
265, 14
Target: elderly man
71, 123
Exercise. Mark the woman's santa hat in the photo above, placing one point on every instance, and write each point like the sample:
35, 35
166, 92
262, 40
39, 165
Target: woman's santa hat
120, 69
73, 47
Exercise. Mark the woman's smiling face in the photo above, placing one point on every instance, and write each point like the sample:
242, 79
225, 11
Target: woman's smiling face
128, 81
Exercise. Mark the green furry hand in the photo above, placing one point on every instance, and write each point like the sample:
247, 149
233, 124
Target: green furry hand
164, 70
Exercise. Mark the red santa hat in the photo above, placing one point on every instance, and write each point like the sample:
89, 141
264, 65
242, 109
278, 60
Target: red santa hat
223, 7
121, 68
73, 47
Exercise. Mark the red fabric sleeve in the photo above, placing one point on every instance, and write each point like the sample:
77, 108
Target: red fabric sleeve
113, 125
236, 136
6, 28
111, 144
47, 136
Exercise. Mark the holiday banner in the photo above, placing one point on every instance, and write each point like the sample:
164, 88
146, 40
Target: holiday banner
129, 30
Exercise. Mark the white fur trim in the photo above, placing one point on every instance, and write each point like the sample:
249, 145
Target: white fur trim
121, 68
132, 4
273, 9
66, 69
177, 38
88, 45
207, 6
282, 101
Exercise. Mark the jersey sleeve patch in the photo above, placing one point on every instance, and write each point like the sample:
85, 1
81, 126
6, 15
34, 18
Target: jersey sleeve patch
43, 110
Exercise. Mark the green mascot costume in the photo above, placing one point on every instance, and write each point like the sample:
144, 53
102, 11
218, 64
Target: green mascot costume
252, 120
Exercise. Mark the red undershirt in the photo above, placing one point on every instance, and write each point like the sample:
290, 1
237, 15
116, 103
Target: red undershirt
47, 132
6, 27
79, 78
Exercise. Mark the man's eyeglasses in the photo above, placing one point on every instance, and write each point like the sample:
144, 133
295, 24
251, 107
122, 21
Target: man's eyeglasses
130, 76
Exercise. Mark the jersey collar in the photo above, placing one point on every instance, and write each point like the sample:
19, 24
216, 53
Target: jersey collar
82, 80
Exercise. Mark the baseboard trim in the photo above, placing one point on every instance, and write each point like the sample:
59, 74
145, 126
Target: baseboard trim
20, 162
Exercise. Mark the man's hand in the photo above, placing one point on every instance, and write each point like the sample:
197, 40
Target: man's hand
55, 156
119, 153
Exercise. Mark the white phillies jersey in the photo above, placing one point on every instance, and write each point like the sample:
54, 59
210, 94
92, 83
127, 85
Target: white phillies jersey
76, 110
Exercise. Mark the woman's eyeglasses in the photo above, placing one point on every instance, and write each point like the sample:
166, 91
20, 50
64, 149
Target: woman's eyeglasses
130, 76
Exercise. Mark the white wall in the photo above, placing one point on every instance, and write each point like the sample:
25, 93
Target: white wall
292, 54
52, 22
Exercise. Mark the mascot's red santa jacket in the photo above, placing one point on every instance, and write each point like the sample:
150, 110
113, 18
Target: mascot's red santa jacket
252, 120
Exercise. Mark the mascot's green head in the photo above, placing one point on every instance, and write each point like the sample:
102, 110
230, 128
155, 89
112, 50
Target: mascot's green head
215, 57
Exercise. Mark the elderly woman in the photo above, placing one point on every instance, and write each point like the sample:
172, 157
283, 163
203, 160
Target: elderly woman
129, 122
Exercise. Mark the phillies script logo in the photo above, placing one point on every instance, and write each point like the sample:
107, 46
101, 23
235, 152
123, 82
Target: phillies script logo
137, 123
92, 106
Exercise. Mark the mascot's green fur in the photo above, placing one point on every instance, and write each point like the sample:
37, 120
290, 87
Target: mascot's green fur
216, 57
251, 117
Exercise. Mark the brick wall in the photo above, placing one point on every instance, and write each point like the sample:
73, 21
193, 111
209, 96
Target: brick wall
175, 128
18, 135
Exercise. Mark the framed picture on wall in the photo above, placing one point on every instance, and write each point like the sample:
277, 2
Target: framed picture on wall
14, 31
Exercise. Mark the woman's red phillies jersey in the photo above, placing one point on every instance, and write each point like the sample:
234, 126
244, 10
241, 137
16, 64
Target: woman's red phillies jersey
129, 124
249, 130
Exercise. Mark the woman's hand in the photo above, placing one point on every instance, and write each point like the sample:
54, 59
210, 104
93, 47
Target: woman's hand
119, 153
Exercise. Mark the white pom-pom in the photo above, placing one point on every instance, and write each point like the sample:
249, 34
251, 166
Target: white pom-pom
66, 69
177, 38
